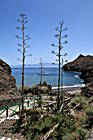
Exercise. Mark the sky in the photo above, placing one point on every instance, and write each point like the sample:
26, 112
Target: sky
43, 18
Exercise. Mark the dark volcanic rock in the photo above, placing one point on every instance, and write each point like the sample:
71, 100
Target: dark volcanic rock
83, 64
80, 64
7, 81
87, 75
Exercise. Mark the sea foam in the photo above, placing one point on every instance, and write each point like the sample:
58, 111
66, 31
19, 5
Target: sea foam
78, 85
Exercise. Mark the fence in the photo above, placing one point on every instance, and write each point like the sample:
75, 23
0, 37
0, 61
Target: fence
10, 106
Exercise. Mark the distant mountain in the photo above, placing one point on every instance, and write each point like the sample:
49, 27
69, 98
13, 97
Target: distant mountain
35, 65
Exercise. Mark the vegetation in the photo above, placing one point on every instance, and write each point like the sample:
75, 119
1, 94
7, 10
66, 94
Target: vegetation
36, 127
39, 122
22, 21
59, 36
57, 112
23, 47
81, 100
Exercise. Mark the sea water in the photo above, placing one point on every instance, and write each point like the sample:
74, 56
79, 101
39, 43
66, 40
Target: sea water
32, 77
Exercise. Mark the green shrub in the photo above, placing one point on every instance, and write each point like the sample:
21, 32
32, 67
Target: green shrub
32, 116
80, 134
39, 100
29, 136
69, 137
83, 134
44, 125
75, 101
82, 100
83, 121
89, 110
89, 118
58, 117
66, 127
38, 128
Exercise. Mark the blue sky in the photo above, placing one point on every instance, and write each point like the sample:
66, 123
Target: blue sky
43, 17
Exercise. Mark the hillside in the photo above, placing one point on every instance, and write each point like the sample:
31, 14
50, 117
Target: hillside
83, 64
80, 63
7, 81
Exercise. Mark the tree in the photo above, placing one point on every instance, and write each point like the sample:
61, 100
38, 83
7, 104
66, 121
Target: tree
23, 46
59, 36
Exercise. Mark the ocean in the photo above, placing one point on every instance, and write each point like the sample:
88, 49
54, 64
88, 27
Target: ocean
32, 77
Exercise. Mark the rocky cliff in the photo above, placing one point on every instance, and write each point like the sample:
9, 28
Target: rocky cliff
7, 81
83, 64
87, 75
79, 64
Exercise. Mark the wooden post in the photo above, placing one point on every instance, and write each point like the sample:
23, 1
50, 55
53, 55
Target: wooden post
19, 106
28, 103
7, 111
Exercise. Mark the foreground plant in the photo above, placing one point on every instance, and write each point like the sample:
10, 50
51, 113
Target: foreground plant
59, 36
22, 47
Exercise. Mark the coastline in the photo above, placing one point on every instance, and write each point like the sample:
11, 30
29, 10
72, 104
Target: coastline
32, 77
70, 87
70, 90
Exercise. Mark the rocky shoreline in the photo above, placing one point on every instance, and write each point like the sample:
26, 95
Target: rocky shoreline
83, 64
